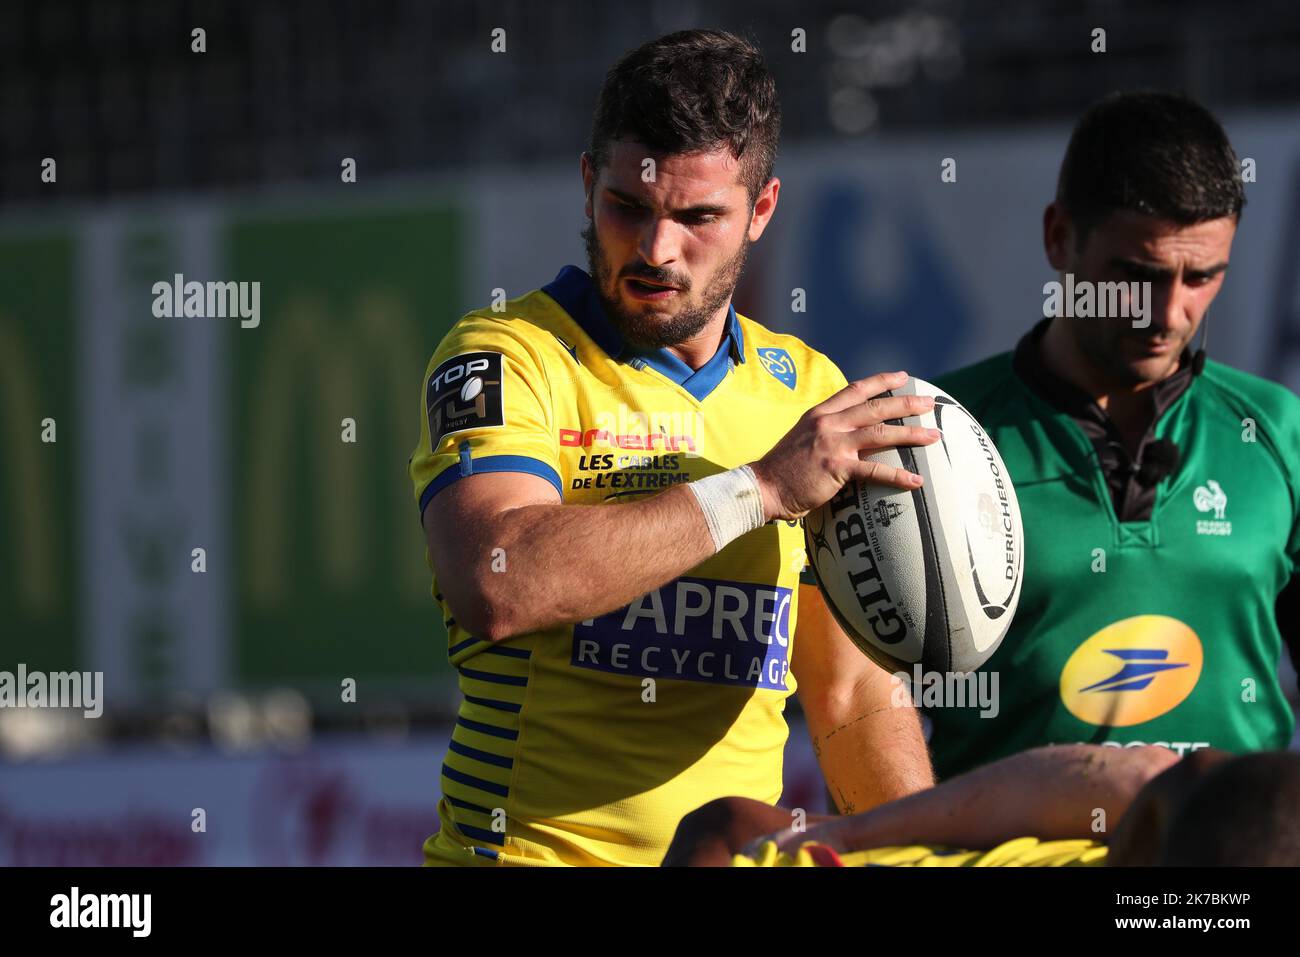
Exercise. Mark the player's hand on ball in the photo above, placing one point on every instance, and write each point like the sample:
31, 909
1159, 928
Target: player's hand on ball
831, 443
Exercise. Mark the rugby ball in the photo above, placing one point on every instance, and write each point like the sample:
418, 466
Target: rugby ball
929, 576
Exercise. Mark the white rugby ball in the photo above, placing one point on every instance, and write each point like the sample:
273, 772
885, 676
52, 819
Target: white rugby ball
929, 576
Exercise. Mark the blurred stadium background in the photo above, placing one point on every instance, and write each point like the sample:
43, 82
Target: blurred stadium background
222, 689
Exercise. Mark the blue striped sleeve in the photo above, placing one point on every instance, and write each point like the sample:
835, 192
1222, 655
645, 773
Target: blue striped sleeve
489, 463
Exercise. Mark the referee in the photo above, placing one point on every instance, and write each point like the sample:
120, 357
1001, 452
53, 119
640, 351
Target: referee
1160, 491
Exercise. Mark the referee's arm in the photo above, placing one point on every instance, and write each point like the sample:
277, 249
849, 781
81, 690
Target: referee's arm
871, 749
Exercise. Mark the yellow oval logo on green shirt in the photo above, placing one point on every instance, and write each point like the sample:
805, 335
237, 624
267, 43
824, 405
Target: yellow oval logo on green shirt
1132, 671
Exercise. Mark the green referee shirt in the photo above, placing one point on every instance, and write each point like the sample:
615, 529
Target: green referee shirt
1152, 631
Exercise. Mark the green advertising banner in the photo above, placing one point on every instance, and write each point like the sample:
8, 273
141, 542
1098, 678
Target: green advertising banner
39, 572
329, 574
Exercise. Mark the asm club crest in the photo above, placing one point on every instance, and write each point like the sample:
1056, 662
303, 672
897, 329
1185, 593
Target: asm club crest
779, 364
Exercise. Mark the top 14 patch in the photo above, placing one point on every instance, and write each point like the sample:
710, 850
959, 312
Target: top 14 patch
464, 393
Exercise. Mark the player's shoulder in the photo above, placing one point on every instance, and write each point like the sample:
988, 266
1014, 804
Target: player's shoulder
976, 384
1245, 392
789, 359
530, 329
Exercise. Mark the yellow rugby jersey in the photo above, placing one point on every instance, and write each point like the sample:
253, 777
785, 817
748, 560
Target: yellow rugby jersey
557, 756
1020, 852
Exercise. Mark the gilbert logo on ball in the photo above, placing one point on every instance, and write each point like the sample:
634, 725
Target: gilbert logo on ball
930, 576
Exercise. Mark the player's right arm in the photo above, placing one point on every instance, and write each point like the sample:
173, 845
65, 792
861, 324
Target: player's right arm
556, 564
511, 559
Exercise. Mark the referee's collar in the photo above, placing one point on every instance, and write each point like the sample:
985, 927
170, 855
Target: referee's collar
576, 294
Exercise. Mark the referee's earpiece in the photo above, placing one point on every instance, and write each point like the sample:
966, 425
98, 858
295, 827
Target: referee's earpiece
1198, 360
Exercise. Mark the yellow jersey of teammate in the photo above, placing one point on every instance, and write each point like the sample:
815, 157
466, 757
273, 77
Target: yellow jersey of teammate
1020, 852
587, 744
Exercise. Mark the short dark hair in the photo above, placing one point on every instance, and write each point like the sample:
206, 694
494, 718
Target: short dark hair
693, 91
1242, 813
1160, 154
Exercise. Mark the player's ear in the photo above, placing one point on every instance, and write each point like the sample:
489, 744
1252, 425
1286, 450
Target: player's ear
764, 207
1058, 235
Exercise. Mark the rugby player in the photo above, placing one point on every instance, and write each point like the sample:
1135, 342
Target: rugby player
1160, 492
1086, 805
610, 474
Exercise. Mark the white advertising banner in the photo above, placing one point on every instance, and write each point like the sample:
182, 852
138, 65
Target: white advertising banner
362, 803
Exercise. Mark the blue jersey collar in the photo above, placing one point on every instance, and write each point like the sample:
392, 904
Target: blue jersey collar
575, 293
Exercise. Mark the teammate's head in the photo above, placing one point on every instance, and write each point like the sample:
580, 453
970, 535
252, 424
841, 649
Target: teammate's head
678, 178
1149, 191
1243, 813
1214, 808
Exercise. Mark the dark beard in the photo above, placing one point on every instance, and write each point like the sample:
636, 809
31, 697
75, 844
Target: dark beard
643, 331
1114, 374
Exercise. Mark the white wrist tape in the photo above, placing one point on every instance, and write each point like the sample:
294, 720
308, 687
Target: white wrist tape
732, 504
